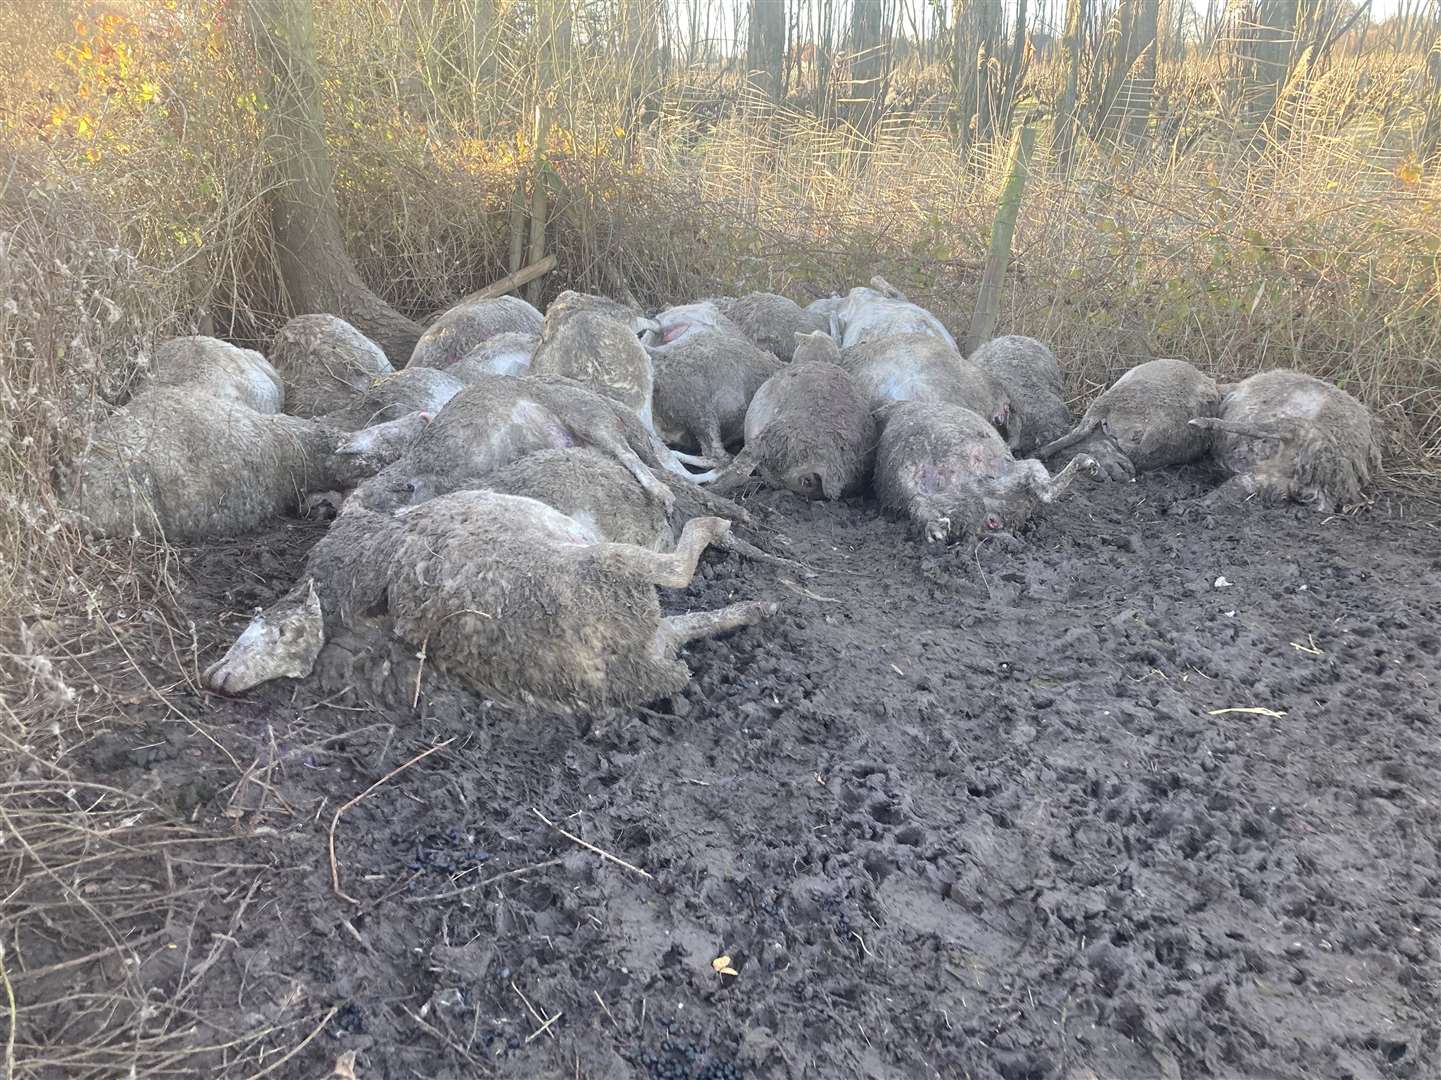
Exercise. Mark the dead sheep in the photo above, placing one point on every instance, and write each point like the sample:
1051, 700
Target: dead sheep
922, 367
704, 382
504, 354
364, 452
594, 341
597, 491
1142, 422
1284, 435
499, 419
882, 311
181, 465
510, 596
673, 324
1030, 375
473, 323
325, 363
771, 321
590, 487
207, 365
808, 430
946, 468
389, 397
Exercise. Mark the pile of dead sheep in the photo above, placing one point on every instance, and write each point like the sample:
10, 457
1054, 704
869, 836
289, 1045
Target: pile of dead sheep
508, 501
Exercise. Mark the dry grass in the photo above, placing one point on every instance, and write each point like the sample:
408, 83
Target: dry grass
132, 205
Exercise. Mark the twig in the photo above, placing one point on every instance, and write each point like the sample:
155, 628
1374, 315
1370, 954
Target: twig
419, 670
545, 1027
794, 587
606, 1007
591, 847
473, 886
14, 1013
542, 1021
303, 1044
334, 866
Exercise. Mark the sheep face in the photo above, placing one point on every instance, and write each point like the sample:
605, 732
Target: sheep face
282, 642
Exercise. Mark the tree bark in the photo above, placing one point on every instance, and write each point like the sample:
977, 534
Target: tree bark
871, 64
766, 46
317, 273
1068, 108
1003, 230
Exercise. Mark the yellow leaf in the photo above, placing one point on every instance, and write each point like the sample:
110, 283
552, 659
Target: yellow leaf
83, 127
1409, 172
722, 966
620, 133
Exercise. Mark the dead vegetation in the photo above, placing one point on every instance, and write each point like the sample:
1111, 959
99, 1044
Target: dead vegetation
1306, 235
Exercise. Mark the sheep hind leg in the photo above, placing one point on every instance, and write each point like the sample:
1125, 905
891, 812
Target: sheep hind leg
621, 450
675, 630
674, 569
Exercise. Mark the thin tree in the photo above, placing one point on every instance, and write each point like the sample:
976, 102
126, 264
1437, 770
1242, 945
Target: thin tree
317, 273
766, 47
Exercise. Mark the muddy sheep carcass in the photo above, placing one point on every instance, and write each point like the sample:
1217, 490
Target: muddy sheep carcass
1029, 374
882, 311
499, 419
508, 595
1285, 435
771, 321
921, 367
704, 382
594, 340
325, 362
181, 465
808, 430
472, 323
1143, 421
948, 470
505, 354
206, 365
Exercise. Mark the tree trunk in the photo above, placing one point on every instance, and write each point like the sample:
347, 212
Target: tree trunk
998, 260
1144, 43
766, 46
317, 274
1431, 133
1067, 109
871, 62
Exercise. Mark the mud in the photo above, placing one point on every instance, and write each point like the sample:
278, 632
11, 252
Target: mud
956, 813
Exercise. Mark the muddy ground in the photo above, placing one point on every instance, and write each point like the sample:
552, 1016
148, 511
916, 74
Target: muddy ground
952, 813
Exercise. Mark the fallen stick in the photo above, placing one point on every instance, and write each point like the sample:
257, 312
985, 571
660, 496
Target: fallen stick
493, 879
591, 847
335, 866
507, 284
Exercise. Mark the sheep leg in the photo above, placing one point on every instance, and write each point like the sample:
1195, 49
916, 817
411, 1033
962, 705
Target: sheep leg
1050, 488
673, 570
739, 470
675, 630
692, 459
711, 443
621, 450
746, 550
707, 500
1078, 434
934, 525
